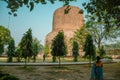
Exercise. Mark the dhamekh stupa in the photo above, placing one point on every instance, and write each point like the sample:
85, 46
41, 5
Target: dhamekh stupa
68, 22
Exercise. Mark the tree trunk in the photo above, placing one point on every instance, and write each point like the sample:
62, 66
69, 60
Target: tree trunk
28, 59
99, 43
89, 60
25, 62
54, 58
34, 58
59, 61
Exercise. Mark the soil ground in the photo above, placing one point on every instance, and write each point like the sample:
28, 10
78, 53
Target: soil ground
71, 72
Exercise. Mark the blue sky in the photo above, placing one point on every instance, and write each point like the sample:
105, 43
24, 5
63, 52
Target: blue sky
39, 20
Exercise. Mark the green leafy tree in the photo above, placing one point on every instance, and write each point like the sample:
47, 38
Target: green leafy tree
98, 31
111, 7
89, 48
80, 36
26, 46
18, 54
102, 51
1, 47
11, 50
75, 50
58, 45
46, 49
14, 5
37, 47
4, 37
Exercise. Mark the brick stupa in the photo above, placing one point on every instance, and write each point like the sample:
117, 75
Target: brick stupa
68, 22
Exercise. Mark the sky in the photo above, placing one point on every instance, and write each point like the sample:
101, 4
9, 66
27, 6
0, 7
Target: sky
39, 20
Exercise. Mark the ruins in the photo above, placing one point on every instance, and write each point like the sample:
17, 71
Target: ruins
68, 22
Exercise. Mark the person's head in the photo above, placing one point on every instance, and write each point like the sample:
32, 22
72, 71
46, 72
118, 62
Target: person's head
98, 58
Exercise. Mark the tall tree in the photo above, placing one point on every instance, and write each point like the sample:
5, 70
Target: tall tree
75, 50
26, 46
4, 37
37, 47
112, 8
58, 45
18, 54
79, 36
46, 49
102, 51
89, 48
98, 31
11, 50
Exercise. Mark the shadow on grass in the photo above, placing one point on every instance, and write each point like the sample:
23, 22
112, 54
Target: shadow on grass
6, 76
27, 69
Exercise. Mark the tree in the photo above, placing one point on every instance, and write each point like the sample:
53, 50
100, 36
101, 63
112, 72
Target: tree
46, 49
89, 48
37, 47
14, 5
18, 54
1, 47
4, 37
79, 36
102, 51
110, 6
26, 46
75, 50
58, 45
98, 31
11, 50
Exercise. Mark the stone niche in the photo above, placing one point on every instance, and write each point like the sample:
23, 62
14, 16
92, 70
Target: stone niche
68, 22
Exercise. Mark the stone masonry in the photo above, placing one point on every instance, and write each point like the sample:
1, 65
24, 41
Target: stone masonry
68, 22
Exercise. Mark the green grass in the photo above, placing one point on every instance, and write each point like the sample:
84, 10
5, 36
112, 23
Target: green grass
6, 76
48, 59
71, 72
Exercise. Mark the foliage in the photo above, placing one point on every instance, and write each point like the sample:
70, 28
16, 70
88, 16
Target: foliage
14, 5
112, 49
112, 45
102, 51
40, 46
18, 53
89, 47
46, 49
110, 7
66, 50
75, 50
79, 36
54, 58
11, 50
1, 48
36, 47
4, 37
26, 45
58, 45
98, 31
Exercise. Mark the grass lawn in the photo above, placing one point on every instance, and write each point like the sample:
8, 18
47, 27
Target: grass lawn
48, 59
71, 72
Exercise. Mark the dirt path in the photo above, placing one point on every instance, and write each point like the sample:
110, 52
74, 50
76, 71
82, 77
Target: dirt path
71, 72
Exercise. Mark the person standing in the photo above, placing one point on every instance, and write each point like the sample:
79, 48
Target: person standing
97, 70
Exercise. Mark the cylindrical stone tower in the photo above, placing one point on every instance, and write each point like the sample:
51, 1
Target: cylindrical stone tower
68, 19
